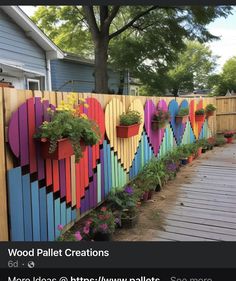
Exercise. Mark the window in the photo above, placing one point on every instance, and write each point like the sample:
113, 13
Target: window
33, 84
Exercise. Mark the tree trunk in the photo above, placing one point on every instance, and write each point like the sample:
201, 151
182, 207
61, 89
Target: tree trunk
175, 92
101, 57
122, 83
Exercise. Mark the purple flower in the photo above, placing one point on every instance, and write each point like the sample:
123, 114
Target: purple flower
103, 227
78, 236
86, 229
60, 227
117, 221
171, 167
129, 190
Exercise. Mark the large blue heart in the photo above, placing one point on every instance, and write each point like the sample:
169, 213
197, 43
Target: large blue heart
178, 128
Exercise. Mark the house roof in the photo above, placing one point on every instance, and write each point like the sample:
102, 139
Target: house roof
32, 31
74, 57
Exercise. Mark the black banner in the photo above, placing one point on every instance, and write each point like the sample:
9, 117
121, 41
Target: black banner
118, 255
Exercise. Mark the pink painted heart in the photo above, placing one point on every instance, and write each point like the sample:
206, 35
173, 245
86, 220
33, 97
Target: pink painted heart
178, 128
155, 136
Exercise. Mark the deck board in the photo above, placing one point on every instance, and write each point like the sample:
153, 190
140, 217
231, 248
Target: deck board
205, 207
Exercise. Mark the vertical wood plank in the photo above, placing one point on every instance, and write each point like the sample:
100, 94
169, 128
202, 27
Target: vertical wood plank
3, 188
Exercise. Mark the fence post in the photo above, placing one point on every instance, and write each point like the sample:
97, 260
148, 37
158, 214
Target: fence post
3, 189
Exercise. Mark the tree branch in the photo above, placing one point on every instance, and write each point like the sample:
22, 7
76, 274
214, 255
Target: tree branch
90, 17
129, 24
112, 15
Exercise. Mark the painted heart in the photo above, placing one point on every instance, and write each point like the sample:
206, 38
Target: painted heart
178, 128
196, 126
125, 147
22, 127
155, 137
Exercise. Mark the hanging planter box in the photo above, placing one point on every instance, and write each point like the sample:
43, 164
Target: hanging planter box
64, 149
181, 119
209, 113
199, 118
127, 131
158, 125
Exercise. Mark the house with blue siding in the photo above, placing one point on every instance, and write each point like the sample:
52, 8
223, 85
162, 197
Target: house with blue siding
25, 51
30, 60
73, 73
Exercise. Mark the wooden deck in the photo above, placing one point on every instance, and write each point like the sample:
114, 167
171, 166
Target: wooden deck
199, 205
205, 206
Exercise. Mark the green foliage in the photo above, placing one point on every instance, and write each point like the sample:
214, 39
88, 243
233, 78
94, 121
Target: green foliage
121, 200
210, 107
130, 118
144, 39
200, 111
192, 68
65, 125
227, 79
161, 116
102, 220
220, 140
183, 111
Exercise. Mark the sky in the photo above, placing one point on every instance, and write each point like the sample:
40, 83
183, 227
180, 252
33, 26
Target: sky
225, 48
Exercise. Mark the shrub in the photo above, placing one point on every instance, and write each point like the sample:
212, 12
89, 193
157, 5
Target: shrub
130, 118
209, 108
200, 112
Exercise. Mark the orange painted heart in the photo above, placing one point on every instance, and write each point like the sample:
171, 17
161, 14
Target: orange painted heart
196, 124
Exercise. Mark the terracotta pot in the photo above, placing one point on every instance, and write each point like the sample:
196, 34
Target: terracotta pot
199, 118
190, 159
64, 149
229, 140
199, 151
209, 113
181, 119
127, 131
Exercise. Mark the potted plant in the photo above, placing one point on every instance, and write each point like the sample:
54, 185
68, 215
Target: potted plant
220, 140
182, 116
160, 119
229, 136
185, 154
68, 132
125, 201
154, 174
199, 115
210, 109
211, 143
102, 224
129, 124
203, 144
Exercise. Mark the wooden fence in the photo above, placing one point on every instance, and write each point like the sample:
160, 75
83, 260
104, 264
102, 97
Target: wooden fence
226, 113
37, 195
